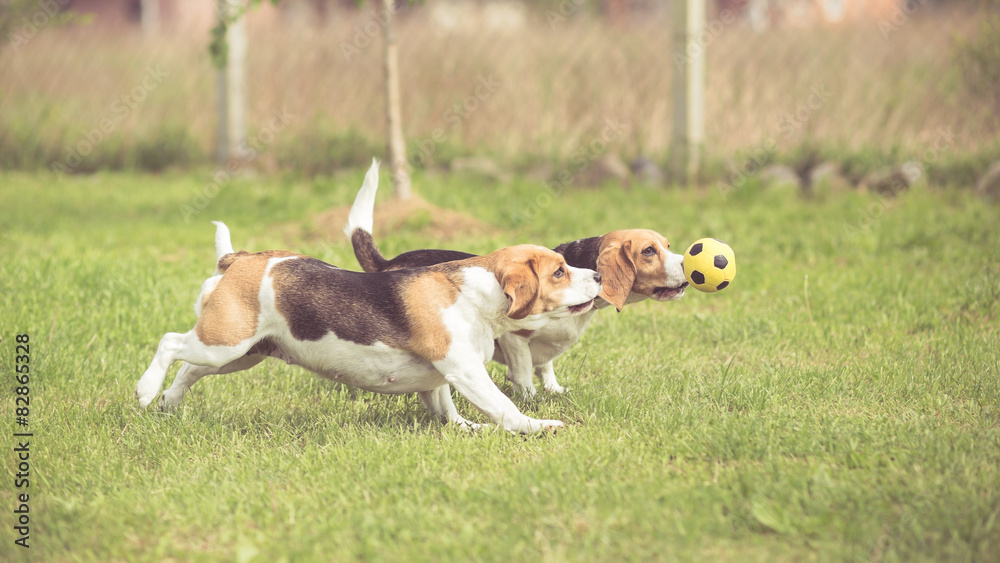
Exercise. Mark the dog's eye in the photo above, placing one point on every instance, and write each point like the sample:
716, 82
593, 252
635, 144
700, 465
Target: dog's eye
558, 273
648, 251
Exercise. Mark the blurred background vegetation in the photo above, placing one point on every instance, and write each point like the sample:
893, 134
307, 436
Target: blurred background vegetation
875, 84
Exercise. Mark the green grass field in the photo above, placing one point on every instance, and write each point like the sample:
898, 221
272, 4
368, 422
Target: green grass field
840, 402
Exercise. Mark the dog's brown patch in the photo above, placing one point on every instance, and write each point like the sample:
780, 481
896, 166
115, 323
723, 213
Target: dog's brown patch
425, 297
229, 313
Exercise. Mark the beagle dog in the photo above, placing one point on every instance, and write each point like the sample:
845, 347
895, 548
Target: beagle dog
634, 265
417, 330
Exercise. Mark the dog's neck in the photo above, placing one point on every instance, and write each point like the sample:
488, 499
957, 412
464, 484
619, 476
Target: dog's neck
581, 253
482, 290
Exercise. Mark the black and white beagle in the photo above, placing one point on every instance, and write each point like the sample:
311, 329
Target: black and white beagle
409, 331
634, 265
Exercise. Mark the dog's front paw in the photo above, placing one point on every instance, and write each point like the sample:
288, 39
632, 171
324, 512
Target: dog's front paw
466, 425
535, 426
551, 425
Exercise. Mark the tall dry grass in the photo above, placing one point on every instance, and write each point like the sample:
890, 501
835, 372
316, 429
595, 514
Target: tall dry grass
554, 90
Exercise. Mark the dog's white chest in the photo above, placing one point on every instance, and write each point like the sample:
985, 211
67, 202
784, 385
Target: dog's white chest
557, 336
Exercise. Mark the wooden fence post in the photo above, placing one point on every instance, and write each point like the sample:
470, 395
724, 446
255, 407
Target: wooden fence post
394, 114
231, 82
688, 89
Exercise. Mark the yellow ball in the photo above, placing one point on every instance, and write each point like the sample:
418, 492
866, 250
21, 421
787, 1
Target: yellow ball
709, 265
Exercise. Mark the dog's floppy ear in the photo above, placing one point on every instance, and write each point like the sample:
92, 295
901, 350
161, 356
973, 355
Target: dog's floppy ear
520, 285
617, 273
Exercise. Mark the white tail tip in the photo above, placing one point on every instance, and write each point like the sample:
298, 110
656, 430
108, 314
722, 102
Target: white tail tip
223, 244
363, 210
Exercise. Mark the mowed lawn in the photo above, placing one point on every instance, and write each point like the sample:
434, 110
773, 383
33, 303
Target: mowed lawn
839, 402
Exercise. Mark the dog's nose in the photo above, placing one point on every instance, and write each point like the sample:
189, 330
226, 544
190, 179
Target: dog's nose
597, 277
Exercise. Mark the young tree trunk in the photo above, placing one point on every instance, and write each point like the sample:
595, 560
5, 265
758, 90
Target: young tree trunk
150, 17
689, 90
231, 80
394, 114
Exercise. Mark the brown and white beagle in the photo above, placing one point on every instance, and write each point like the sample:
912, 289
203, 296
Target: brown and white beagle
634, 265
409, 331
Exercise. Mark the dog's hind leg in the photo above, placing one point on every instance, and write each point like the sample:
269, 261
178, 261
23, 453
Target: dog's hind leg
189, 374
439, 402
152, 380
185, 347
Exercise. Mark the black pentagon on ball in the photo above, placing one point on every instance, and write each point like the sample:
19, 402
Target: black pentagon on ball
695, 250
722, 285
721, 262
697, 277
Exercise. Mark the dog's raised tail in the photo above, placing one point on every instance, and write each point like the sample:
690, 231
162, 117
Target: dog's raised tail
363, 211
223, 244
360, 221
